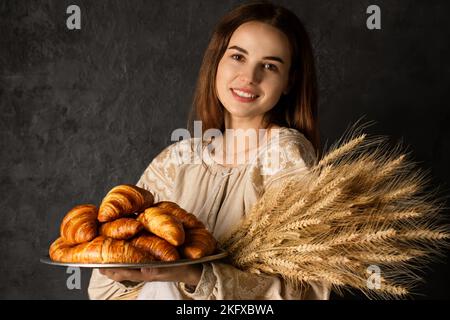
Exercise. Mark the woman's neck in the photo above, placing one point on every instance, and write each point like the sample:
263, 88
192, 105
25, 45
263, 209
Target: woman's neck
240, 141
235, 123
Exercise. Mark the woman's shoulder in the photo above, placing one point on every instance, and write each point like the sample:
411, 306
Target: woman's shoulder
166, 163
286, 150
291, 146
182, 151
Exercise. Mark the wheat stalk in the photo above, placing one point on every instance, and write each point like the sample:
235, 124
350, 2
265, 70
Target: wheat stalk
363, 204
344, 149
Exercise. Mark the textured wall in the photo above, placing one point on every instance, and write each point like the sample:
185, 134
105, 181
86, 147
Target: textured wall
82, 111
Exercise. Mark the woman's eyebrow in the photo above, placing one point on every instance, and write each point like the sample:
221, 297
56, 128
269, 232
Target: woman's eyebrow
265, 58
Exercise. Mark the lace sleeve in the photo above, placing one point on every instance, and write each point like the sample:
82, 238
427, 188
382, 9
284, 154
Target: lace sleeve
102, 288
220, 281
291, 152
159, 176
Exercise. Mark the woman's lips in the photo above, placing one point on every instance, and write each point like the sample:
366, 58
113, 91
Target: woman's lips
238, 95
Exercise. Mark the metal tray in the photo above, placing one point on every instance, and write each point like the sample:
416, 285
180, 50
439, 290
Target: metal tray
154, 264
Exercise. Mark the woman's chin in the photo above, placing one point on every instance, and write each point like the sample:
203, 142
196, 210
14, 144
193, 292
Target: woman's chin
243, 115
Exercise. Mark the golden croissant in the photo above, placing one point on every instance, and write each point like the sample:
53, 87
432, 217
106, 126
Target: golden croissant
120, 229
164, 225
156, 246
61, 251
99, 250
123, 200
79, 224
199, 243
188, 219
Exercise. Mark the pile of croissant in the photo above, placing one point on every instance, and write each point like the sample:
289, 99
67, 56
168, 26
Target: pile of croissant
129, 227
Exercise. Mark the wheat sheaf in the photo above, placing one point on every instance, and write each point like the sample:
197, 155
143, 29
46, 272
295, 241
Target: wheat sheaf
363, 204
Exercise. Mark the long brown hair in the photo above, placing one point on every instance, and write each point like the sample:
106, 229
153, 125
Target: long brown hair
298, 108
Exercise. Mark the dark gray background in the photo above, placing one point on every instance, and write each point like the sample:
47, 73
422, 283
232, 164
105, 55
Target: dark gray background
82, 111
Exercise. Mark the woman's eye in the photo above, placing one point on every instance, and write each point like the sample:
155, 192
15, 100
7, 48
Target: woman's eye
270, 67
236, 57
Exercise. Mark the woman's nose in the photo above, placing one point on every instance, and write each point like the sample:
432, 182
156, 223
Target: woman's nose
250, 74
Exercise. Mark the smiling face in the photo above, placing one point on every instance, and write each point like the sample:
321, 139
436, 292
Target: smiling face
253, 72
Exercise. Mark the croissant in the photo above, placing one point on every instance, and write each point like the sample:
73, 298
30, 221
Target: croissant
80, 224
99, 250
188, 219
121, 229
164, 225
199, 243
60, 251
158, 247
122, 200
166, 205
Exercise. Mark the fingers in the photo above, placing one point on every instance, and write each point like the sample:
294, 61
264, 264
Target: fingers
153, 274
147, 274
118, 274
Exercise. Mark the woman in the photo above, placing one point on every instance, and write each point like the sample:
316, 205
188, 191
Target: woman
257, 74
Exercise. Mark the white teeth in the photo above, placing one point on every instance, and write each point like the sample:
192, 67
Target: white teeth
244, 94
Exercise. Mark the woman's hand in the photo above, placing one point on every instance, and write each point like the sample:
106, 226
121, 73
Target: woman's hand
189, 274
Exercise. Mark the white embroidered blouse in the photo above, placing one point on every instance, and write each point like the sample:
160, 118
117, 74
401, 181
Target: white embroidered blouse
220, 196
